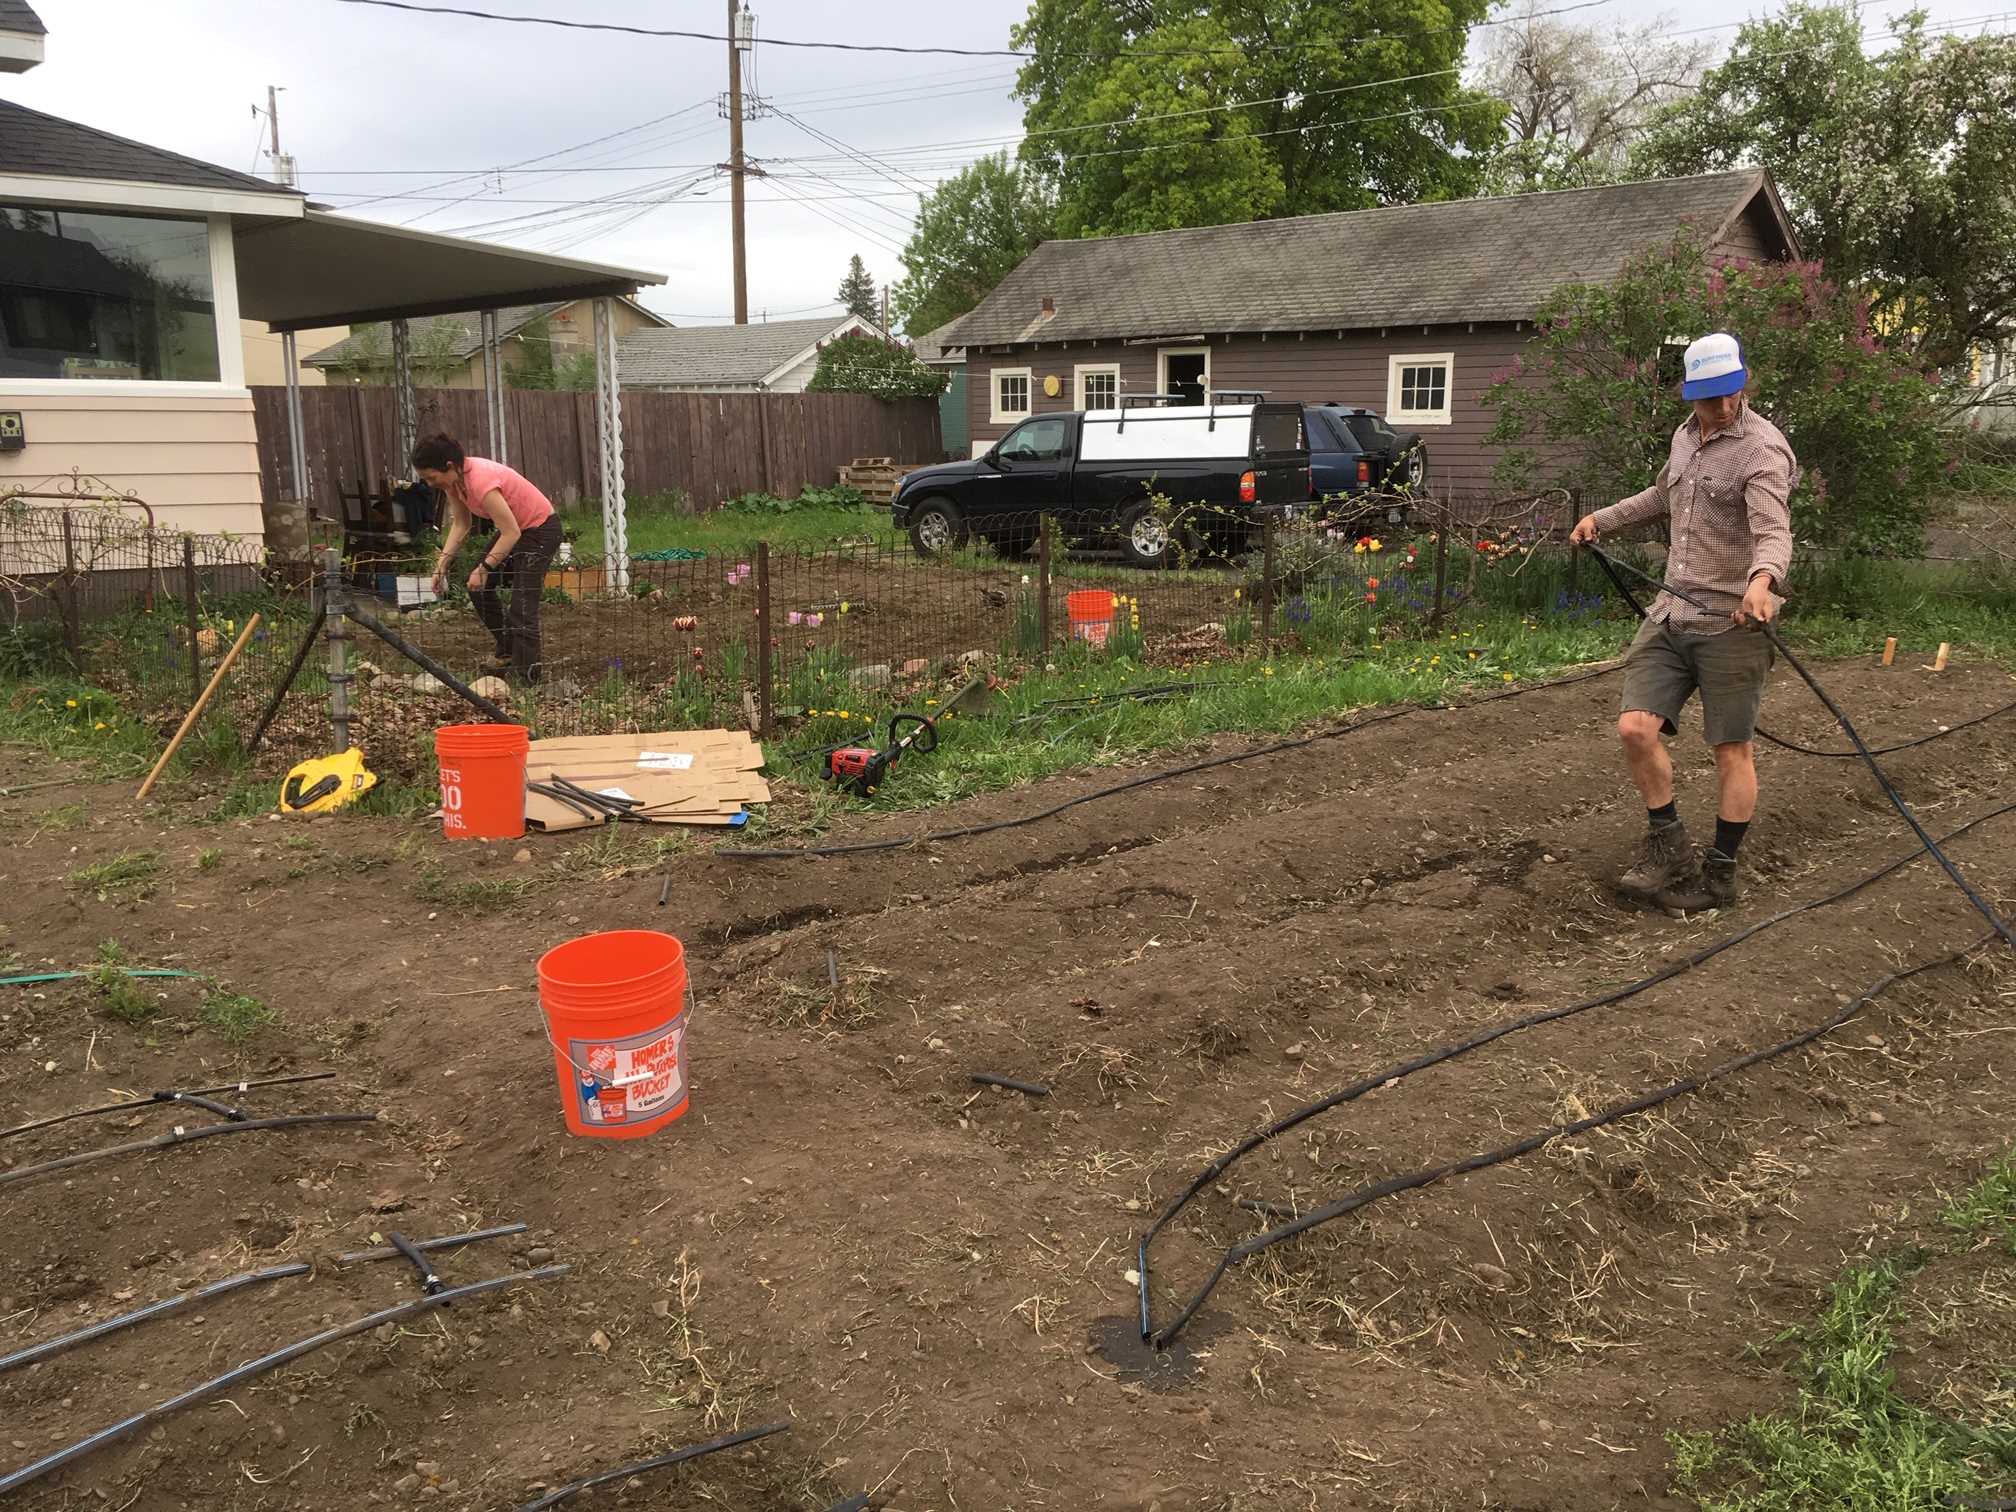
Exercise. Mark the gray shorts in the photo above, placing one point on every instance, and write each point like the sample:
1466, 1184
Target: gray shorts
1664, 667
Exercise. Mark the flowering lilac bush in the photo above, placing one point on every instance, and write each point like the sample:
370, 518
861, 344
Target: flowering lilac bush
1593, 403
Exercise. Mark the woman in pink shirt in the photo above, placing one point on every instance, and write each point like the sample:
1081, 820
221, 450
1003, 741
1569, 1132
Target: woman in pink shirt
528, 533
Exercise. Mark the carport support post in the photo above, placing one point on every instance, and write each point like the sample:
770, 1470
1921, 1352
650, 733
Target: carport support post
609, 430
493, 390
335, 599
402, 393
297, 439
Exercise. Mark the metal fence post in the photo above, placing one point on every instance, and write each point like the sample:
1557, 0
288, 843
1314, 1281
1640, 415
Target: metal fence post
73, 635
195, 618
335, 600
1267, 584
1043, 588
1441, 572
765, 656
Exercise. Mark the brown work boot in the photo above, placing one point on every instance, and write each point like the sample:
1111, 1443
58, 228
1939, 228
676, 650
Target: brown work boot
1668, 866
1713, 886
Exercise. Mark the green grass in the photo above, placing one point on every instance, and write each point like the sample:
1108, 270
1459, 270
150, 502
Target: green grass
234, 1015
653, 525
1851, 1441
128, 875
119, 995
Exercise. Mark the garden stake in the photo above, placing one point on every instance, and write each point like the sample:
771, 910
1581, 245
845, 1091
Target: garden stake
1478, 1041
1889, 650
159, 1309
202, 702
765, 652
15, 1479
155, 1099
621, 1472
177, 1137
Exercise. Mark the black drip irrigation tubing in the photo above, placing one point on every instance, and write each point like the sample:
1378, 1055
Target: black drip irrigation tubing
2001, 925
1858, 752
166, 1305
1367, 1195
676, 1457
1478, 1041
1300, 742
177, 1137
428, 1246
157, 1099
13, 1480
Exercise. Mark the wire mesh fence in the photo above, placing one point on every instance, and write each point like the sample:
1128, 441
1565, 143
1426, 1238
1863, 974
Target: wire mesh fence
754, 634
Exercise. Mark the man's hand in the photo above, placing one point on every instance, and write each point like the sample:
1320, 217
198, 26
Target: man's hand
1757, 606
1584, 533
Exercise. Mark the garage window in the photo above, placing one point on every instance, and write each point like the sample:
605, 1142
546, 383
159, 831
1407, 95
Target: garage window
1099, 386
1011, 394
1419, 386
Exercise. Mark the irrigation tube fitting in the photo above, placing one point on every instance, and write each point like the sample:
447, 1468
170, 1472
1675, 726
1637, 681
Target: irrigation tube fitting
1367, 1195
1847, 728
176, 1137
154, 1100
1404, 1069
425, 1246
621, 1472
286, 1354
166, 1305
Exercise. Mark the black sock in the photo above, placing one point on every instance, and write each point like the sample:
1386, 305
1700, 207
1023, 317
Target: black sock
1667, 813
1729, 835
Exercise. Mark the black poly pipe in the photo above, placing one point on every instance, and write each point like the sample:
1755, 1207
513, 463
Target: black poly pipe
155, 1101
1423, 1062
159, 1309
446, 1241
1367, 1195
1028, 1089
621, 1472
182, 1137
15, 1479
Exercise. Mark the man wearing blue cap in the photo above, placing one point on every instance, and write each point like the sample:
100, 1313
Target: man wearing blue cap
1724, 492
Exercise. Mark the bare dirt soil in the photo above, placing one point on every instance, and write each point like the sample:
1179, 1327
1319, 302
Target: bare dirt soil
846, 1232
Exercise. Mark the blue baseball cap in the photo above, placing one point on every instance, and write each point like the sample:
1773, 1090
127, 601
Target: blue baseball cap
1714, 367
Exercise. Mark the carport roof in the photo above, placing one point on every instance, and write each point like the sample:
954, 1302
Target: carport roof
326, 269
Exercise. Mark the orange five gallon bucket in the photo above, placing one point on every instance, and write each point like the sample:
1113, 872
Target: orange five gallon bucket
1091, 614
482, 780
616, 1008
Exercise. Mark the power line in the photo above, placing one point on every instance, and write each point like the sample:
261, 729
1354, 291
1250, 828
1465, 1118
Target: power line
1337, 44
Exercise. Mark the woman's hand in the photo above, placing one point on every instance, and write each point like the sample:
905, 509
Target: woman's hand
478, 578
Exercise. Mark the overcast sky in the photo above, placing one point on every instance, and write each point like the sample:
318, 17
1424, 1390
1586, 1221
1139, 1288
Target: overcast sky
380, 102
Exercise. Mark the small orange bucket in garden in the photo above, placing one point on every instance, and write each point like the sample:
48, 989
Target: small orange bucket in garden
482, 780
616, 1006
1091, 614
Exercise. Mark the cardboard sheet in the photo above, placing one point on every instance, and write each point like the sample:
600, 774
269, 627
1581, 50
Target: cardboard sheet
698, 777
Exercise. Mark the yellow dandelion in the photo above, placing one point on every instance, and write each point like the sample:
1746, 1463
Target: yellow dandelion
99, 726
1267, 671
69, 703
1508, 677
845, 715
930, 703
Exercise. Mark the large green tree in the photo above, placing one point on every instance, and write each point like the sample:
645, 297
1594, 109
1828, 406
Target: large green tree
1898, 167
970, 233
1148, 115
857, 290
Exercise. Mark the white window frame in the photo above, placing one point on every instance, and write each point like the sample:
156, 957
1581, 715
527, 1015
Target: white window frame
1444, 416
996, 414
1085, 370
1162, 356
230, 381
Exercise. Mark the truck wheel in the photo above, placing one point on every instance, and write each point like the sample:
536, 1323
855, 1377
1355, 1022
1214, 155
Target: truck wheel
1145, 537
936, 526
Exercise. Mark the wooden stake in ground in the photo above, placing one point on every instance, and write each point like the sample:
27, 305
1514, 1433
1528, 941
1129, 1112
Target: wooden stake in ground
1939, 661
1889, 650
202, 702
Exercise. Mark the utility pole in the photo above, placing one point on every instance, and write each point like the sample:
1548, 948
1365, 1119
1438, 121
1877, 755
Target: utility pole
735, 164
283, 166
885, 309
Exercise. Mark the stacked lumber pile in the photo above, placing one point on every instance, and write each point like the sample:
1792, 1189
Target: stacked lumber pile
876, 476
701, 777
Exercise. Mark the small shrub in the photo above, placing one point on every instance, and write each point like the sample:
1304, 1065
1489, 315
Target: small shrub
832, 496
128, 875
118, 994
759, 503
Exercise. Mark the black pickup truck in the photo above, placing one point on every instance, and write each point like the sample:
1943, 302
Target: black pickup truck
1104, 477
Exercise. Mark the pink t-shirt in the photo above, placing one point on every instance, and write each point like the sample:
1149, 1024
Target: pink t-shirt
529, 507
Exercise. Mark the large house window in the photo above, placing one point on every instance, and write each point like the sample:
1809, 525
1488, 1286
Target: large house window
1011, 394
1419, 386
1099, 386
86, 294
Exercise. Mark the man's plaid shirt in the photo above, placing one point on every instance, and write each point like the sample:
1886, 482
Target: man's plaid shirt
1726, 498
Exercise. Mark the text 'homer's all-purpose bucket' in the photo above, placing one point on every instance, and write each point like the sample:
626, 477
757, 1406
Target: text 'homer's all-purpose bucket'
616, 1007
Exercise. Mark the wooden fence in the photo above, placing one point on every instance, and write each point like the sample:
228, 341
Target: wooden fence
712, 446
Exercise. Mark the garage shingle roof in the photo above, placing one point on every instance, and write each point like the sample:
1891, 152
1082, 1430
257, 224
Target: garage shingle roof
19, 16
717, 354
467, 333
1457, 260
31, 142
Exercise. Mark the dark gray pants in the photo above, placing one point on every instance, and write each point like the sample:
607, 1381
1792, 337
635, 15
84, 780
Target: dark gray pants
516, 629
